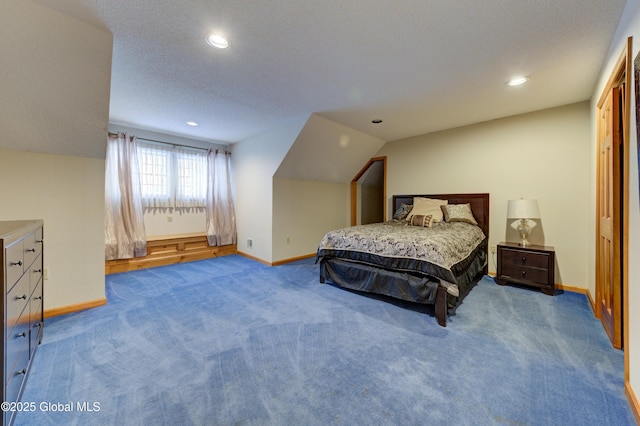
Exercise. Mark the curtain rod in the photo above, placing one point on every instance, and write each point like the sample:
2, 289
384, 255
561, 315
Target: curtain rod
165, 143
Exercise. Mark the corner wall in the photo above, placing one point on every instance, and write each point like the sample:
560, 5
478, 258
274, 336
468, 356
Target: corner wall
542, 155
304, 212
254, 163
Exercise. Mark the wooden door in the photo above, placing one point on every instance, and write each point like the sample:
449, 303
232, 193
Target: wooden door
609, 268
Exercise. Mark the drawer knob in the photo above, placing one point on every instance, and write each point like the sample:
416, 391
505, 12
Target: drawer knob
40, 241
524, 273
23, 334
23, 371
524, 259
37, 270
32, 250
18, 263
24, 297
37, 298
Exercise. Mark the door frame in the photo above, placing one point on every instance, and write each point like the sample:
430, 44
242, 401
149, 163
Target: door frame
621, 73
354, 189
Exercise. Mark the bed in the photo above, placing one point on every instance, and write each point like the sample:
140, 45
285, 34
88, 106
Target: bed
416, 260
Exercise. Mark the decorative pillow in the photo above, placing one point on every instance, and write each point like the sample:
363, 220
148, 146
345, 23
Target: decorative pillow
422, 220
458, 213
427, 206
403, 211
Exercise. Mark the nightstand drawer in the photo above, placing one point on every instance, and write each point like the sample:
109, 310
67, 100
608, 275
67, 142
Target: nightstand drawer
515, 272
529, 265
524, 258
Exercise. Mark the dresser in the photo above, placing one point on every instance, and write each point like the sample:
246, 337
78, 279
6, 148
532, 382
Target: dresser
530, 265
21, 251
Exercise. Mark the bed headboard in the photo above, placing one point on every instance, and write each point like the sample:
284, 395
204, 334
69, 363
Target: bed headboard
479, 205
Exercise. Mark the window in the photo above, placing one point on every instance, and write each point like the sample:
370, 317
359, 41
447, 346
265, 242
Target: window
191, 183
172, 177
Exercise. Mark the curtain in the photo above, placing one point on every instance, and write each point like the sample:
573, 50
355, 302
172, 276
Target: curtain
124, 232
221, 220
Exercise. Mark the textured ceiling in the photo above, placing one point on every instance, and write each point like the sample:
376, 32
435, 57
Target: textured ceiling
419, 65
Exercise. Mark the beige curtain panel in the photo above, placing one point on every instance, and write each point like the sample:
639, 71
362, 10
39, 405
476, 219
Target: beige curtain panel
124, 232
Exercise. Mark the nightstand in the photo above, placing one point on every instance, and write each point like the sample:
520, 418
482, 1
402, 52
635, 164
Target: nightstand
531, 265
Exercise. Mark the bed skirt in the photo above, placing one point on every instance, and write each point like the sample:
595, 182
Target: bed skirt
397, 284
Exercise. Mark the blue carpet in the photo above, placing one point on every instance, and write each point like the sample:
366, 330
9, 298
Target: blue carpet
229, 341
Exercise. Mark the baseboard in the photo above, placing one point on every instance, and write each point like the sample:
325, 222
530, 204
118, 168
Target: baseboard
63, 310
170, 249
572, 289
562, 287
293, 259
278, 262
633, 401
257, 259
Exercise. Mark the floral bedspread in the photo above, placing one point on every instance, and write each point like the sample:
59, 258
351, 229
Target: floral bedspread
443, 251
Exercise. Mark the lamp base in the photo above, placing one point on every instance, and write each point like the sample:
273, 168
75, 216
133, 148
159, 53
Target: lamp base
524, 227
524, 242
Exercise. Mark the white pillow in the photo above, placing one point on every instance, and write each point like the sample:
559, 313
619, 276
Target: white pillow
426, 207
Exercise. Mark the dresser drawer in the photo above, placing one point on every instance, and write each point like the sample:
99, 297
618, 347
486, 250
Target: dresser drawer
36, 297
32, 248
14, 263
526, 273
16, 301
16, 340
524, 258
36, 320
16, 373
35, 332
35, 273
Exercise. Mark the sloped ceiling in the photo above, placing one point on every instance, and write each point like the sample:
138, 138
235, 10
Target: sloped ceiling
419, 65
328, 151
54, 81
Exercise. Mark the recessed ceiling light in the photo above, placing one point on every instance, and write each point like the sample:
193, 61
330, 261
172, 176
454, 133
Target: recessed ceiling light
216, 40
376, 121
192, 123
517, 81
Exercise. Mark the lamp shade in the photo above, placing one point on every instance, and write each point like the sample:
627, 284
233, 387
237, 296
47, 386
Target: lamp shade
523, 209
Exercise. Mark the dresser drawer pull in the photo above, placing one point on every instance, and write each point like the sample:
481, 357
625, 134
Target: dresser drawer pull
23, 371
37, 271
18, 263
32, 250
37, 298
524, 259
24, 297
23, 334
37, 325
524, 273
40, 241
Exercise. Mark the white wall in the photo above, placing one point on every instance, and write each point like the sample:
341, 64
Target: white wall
254, 162
67, 193
629, 26
56, 74
542, 155
303, 211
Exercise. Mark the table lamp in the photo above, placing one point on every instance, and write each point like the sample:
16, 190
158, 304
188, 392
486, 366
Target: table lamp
523, 211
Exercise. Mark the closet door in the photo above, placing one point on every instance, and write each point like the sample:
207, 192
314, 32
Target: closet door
608, 262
